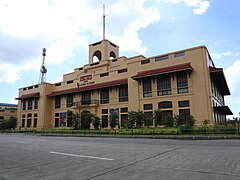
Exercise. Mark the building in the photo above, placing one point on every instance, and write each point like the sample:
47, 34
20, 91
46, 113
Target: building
178, 83
8, 111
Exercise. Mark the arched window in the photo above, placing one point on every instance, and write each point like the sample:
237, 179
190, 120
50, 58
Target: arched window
97, 56
112, 55
165, 104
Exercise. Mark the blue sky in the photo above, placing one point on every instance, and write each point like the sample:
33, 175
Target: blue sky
148, 27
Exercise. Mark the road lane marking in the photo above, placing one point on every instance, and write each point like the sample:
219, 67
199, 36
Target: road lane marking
82, 156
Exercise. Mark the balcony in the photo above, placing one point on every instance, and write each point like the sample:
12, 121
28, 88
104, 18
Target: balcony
87, 103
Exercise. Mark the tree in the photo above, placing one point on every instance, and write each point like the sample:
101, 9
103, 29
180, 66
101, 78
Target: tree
158, 117
76, 120
147, 119
139, 119
70, 115
190, 120
96, 122
86, 119
131, 119
176, 120
113, 118
168, 121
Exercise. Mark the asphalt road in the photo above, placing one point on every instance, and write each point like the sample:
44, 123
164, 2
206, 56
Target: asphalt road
36, 157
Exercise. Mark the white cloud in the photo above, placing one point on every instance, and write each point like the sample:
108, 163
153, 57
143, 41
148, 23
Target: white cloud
8, 73
27, 26
232, 75
200, 6
219, 55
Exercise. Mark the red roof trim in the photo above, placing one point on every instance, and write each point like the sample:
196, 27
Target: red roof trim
25, 96
214, 69
170, 69
90, 87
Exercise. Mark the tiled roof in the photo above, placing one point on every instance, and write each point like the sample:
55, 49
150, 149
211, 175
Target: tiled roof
25, 96
165, 70
89, 87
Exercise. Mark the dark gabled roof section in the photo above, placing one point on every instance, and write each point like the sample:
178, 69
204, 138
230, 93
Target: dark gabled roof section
89, 87
223, 109
219, 79
165, 70
26, 96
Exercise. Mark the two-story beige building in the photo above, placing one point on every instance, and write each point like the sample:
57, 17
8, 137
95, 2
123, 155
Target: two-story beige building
8, 111
178, 83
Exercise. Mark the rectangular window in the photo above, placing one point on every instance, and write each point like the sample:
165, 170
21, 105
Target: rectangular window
123, 93
183, 115
104, 74
57, 102
104, 111
23, 122
182, 82
104, 96
36, 103
86, 98
166, 114
56, 122
122, 70
58, 84
147, 87
124, 110
164, 85
24, 104
69, 100
70, 82
145, 61
29, 120
104, 121
183, 103
161, 58
35, 121
147, 106
165, 104
179, 54
30, 104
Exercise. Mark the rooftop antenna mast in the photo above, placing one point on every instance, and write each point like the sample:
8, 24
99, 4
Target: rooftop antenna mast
104, 21
43, 70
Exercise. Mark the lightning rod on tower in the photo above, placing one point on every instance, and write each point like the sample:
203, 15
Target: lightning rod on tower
43, 69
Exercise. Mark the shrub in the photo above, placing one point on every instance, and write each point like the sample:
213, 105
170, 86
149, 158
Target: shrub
8, 124
185, 128
168, 121
96, 122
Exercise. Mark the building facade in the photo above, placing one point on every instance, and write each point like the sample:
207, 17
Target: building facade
8, 111
184, 82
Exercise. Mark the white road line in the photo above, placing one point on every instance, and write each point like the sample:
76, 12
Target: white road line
82, 156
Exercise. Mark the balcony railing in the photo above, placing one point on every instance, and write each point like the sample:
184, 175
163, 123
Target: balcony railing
93, 102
